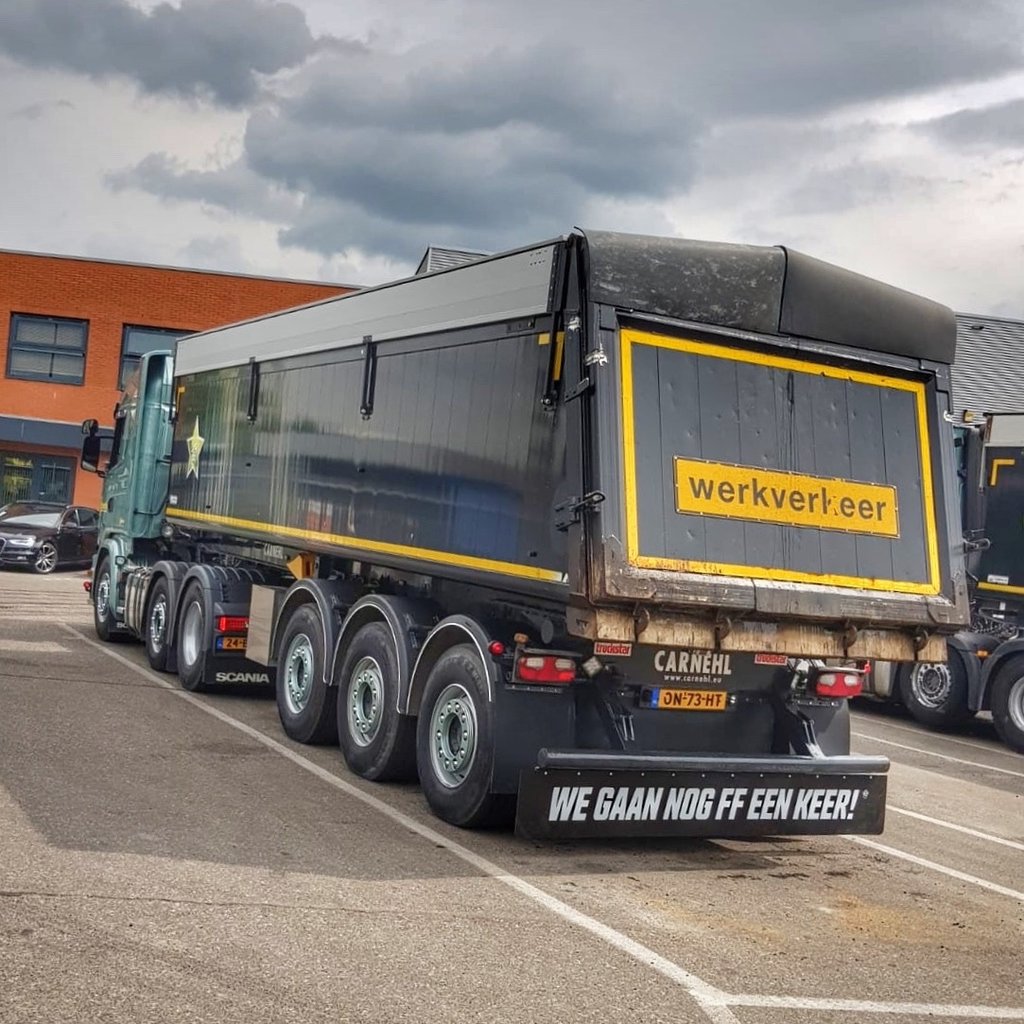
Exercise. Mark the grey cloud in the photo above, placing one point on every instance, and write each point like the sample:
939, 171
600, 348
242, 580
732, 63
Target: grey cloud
34, 111
485, 145
1000, 125
234, 187
213, 49
833, 190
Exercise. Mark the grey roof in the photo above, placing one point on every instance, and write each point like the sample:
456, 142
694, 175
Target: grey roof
988, 375
437, 258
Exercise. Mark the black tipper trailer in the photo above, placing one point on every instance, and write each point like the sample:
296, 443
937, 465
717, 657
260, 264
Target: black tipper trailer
634, 461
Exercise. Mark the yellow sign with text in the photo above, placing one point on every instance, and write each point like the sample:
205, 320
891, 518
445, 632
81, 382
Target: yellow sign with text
787, 499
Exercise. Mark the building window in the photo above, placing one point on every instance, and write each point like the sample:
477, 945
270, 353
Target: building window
137, 341
47, 348
30, 477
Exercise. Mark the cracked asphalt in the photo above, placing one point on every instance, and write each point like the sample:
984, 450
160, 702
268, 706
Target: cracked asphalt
170, 858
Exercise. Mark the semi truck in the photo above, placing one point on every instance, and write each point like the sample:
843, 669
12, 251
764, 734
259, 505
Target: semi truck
984, 670
598, 532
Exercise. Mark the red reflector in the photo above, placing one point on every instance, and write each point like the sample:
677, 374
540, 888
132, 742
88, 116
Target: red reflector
87, 586
232, 623
496, 648
545, 668
839, 684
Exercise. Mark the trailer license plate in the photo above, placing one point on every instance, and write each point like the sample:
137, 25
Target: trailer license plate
686, 700
231, 643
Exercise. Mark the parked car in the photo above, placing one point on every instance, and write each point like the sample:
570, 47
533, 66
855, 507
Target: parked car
45, 535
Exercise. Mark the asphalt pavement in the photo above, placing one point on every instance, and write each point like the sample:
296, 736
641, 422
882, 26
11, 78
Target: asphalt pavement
170, 857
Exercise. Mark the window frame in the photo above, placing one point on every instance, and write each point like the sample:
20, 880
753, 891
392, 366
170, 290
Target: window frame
173, 333
14, 346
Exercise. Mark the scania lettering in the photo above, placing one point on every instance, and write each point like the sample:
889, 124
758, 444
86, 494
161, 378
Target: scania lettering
595, 534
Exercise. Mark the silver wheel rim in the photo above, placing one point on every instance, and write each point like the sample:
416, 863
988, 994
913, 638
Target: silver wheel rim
931, 685
1015, 703
298, 673
46, 560
365, 701
191, 633
158, 623
102, 596
453, 735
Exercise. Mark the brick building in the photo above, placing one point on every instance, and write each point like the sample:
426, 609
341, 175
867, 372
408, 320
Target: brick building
71, 328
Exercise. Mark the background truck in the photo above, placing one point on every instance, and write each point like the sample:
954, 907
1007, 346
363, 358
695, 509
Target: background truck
985, 667
599, 528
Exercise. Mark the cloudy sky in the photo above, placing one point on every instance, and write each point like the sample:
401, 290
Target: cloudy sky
336, 139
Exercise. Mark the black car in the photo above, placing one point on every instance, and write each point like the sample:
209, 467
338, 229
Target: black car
44, 535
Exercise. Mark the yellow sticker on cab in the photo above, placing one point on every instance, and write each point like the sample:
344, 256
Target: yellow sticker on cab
777, 496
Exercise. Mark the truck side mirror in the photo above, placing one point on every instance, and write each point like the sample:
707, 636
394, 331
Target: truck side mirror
90, 460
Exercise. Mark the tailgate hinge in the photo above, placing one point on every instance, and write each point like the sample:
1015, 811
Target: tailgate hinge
579, 389
568, 512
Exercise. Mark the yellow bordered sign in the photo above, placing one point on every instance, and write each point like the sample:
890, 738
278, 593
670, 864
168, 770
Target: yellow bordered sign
630, 337
705, 488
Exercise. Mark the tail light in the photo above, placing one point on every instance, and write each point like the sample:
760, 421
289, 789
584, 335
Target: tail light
839, 682
232, 623
545, 668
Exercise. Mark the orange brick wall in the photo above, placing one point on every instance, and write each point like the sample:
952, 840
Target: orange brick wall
108, 296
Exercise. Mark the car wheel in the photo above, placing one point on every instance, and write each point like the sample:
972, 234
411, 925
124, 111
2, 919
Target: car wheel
936, 693
455, 743
46, 558
1008, 703
306, 705
377, 742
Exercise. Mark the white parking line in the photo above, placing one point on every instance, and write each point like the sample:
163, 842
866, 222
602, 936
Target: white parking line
956, 828
944, 757
988, 748
961, 876
713, 1002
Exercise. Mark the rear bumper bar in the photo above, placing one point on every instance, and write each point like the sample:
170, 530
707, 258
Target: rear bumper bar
579, 794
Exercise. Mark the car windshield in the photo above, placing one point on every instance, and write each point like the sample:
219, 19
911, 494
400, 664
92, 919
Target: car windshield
24, 514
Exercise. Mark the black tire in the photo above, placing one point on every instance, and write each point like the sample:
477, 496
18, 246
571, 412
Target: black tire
378, 742
193, 639
156, 629
46, 558
457, 718
305, 704
102, 615
1007, 703
936, 694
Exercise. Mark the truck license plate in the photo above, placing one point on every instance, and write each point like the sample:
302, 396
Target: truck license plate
231, 643
684, 700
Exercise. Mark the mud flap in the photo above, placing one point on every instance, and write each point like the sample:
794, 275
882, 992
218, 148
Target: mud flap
562, 803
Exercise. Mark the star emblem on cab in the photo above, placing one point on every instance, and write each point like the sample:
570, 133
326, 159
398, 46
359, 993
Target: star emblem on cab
195, 446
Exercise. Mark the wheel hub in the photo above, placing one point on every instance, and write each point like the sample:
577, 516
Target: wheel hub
298, 679
158, 623
365, 701
1015, 703
453, 730
46, 559
931, 685
102, 596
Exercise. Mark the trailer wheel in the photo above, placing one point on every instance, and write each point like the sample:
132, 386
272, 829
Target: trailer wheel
455, 743
102, 617
193, 640
305, 704
158, 619
1008, 703
936, 693
378, 742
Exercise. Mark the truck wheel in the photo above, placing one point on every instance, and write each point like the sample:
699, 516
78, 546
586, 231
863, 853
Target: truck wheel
936, 693
305, 703
1008, 703
193, 640
378, 742
102, 616
158, 619
455, 743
